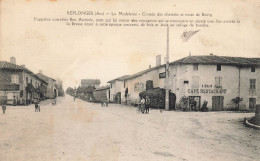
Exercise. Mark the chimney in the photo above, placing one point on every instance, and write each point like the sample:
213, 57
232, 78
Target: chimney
40, 71
13, 60
158, 60
211, 54
23, 66
150, 66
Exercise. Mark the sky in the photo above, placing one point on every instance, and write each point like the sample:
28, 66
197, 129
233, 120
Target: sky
74, 53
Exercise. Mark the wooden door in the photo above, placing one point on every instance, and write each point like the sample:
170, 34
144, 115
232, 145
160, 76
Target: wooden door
217, 103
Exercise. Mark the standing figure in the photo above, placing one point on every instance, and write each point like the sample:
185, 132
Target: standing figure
147, 104
36, 106
3, 108
142, 105
204, 107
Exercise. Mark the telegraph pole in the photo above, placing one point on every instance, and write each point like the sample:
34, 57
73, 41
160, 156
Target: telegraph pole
167, 74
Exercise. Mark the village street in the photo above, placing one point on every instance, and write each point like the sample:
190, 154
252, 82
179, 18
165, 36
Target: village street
79, 131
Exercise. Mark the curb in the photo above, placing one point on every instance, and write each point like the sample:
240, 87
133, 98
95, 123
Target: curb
251, 125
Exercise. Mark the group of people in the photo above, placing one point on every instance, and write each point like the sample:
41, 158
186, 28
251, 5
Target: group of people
146, 103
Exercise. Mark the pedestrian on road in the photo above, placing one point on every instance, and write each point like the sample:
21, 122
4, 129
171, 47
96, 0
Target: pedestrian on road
37, 107
147, 104
3, 108
142, 105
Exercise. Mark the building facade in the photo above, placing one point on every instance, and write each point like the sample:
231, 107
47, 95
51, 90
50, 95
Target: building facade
18, 84
117, 87
52, 92
101, 94
219, 80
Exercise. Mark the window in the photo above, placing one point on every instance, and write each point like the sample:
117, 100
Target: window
218, 67
252, 84
111, 85
196, 67
15, 79
195, 82
26, 80
124, 84
218, 82
252, 102
186, 82
252, 69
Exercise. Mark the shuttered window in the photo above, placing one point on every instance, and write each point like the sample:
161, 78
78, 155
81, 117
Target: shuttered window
252, 84
15, 79
195, 82
218, 82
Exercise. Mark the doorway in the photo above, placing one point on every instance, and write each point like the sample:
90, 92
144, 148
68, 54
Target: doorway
217, 103
197, 99
252, 103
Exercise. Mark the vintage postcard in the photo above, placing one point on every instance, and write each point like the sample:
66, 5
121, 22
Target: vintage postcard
129, 80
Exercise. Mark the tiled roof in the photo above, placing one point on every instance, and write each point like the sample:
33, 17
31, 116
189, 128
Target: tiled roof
7, 65
44, 77
213, 59
103, 88
90, 81
205, 59
119, 78
143, 72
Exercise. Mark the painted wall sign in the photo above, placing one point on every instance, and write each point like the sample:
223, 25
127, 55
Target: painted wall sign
162, 75
207, 91
9, 87
139, 86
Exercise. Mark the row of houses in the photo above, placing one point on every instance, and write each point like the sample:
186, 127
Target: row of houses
20, 85
219, 80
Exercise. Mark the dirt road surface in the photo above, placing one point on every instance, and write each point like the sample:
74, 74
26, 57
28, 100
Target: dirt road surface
81, 131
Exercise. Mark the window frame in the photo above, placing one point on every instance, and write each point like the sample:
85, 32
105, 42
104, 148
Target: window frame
193, 81
252, 84
252, 69
219, 84
195, 67
15, 79
219, 67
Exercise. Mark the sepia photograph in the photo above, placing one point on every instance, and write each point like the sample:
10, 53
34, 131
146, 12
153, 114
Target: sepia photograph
129, 80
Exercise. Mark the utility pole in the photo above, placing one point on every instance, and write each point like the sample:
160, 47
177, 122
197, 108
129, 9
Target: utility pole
167, 74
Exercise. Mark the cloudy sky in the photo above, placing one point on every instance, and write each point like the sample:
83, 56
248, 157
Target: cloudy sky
74, 53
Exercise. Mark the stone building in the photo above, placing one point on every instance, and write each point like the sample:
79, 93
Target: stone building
52, 92
101, 94
216, 79
117, 89
20, 84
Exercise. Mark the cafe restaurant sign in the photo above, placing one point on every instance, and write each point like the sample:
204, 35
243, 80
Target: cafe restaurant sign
207, 89
162, 75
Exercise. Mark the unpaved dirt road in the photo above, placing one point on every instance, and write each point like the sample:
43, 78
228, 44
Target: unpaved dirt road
79, 131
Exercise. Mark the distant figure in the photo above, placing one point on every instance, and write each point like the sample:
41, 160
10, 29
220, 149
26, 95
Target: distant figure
54, 102
14, 101
37, 107
204, 107
147, 104
3, 108
193, 105
142, 105
106, 102
74, 99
